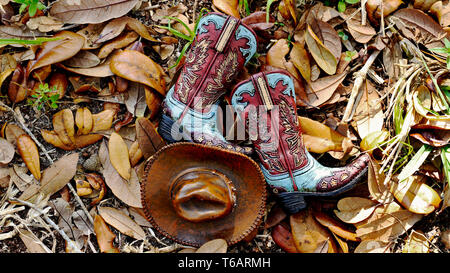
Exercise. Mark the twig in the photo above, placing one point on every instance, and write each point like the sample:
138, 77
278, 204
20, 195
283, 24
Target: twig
50, 222
360, 76
363, 12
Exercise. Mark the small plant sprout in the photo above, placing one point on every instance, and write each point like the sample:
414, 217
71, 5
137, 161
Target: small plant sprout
43, 98
33, 6
444, 50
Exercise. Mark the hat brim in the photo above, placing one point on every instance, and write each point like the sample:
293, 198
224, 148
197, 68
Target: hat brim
244, 173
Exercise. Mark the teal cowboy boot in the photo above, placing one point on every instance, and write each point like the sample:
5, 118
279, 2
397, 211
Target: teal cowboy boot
223, 45
288, 167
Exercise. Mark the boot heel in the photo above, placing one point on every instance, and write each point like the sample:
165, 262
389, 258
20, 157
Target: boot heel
292, 202
165, 129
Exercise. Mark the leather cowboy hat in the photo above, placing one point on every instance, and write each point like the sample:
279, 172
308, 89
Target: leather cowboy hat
194, 193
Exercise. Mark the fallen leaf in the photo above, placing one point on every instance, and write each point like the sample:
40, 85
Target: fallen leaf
32, 243
321, 54
105, 236
29, 152
328, 36
308, 234
415, 195
7, 66
44, 24
373, 8
122, 222
119, 42
275, 216
373, 140
127, 191
319, 138
300, 59
135, 66
91, 33
148, 138
83, 59
416, 242
84, 121
90, 12
334, 226
213, 246
7, 151
20, 178
372, 246
12, 132
442, 12
352, 210
103, 120
64, 126
16, 32
445, 238
54, 178
119, 156
378, 190
57, 51
361, 33
135, 154
283, 238
321, 90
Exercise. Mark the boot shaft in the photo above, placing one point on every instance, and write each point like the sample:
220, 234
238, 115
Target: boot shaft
223, 45
266, 104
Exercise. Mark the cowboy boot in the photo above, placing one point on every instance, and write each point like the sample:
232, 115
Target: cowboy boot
223, 45
288, 167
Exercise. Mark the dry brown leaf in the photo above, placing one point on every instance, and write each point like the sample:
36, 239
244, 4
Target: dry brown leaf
378, 190
320, 91
415, 195
7, 66
84, 121
276, 54
119, 156
16, 32
90, 12
116, 26
354, 209
44, 23
29, 152
135, 154
83, 59
388, 226
148, 138
105, 236
445, 238
299, 57
321, 54
135, 66
7, 151
372, 246
64, 126
102, 121
12, 132
328, 36
119, 42
361, 33
416, 242
213, 246
442, 12
319, 138
283, 238
122, 222
334, 226
54, 178
373, 8
127, 191
229, 7
91, 34
308, 234
57, 51
32, 243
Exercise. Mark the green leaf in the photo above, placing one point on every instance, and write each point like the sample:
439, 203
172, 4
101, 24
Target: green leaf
22, 8
33, 8
269, 3
37, 41
41, 6
341, 6
352, 1
415, 162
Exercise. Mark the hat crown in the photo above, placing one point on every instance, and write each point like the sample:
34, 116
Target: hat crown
202, 194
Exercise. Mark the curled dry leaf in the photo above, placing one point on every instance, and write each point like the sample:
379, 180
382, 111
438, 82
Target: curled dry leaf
321, 54
283, 238
127, 191
213, 246
135, 66
122, 222
378, 190
275, 216
334, 226
44, 24
361, 33
102, 121
83, 188
7, 66
229, 7
54, 178
328, 36
442, 12
372, 246
90, 12
320, 91
135, 154
373, 8
300, 59
119, 42
57, 51
352, 210
79, 141
84, 121
319, 138
308, 234
415, 195
83, 59
148, 138
119, 156
30, 154
105, 236
96, 181
416, 242
17, 90
12, 132
116, 26
64, 126
6, 151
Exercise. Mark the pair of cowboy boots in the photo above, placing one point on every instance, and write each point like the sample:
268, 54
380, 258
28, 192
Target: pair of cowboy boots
265, 104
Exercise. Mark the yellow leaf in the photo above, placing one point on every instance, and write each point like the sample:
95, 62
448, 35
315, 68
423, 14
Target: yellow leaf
322, 55
416, 242
354, 209
30, 154
119, 156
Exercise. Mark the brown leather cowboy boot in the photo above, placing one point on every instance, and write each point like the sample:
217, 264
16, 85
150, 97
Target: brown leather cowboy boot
223, 45
288, 167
